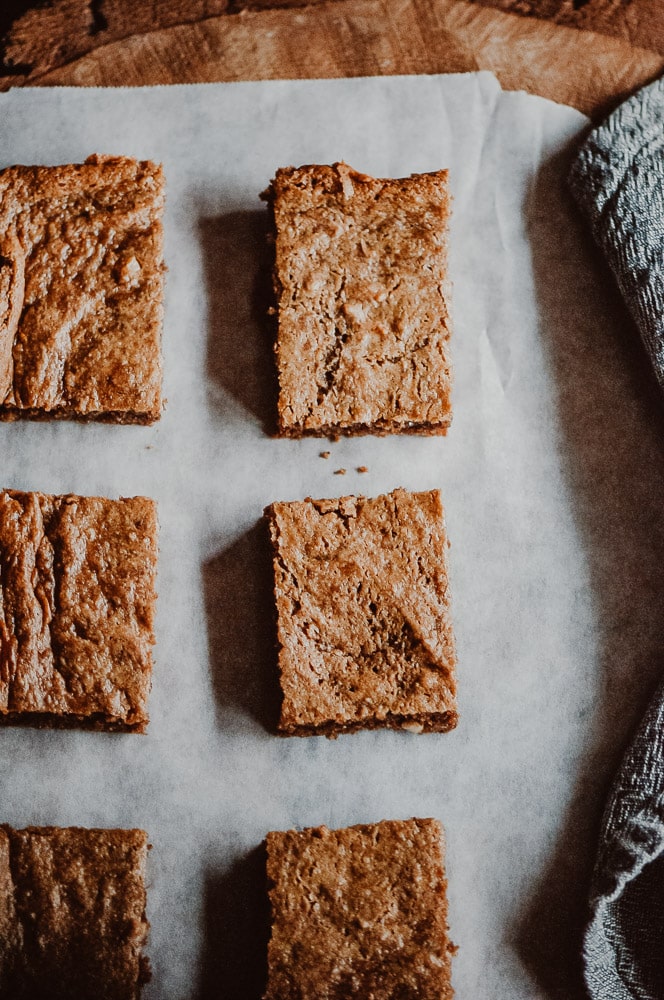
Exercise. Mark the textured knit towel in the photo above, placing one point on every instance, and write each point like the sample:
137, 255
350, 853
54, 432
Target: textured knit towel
618, 180
624, 945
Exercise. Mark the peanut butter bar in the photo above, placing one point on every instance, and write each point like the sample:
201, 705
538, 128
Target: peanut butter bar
360, 280
77, 597
359, 912
81, 288
363, 617
72, 914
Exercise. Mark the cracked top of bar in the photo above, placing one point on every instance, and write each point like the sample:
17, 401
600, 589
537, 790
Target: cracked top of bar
361, 287
77, 598
81, 290
359, 912
363, 614
72, 913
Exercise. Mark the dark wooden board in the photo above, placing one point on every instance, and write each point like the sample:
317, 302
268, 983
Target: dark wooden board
639, 22
115, 42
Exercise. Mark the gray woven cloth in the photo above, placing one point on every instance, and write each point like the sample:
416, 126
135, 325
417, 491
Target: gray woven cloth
618, 180
624, 943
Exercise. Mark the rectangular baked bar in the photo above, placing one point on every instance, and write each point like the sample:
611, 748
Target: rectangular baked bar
72, 913
360, 280
359, 912
81, 289
363, 614
77, 602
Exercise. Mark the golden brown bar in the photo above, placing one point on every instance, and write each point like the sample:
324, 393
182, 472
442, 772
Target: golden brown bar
81, 289
360, 279
363, 614
359, 912
72, 913
77, 601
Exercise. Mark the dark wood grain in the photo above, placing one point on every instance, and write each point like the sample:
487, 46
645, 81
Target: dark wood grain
124, 42
40, 35
639, 22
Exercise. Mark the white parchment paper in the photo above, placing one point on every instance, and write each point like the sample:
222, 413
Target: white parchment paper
552, 480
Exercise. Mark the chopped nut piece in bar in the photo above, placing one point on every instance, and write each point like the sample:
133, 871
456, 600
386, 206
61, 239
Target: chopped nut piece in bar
361, 288
77, 597
81, 288
72, 913
359, 912
363, 618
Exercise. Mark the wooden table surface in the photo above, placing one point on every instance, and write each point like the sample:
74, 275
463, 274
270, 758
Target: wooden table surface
587, 53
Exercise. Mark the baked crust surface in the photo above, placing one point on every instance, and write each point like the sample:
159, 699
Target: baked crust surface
72, 913
364, 631
81, 289
77, 601
360, 280
359, 912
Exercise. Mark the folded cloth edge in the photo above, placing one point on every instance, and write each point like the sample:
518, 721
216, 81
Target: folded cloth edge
617, 179
632, 835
